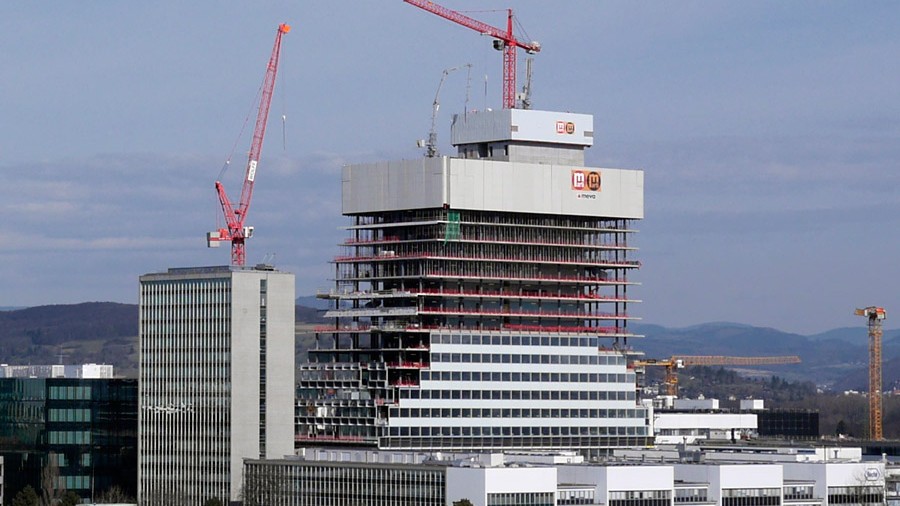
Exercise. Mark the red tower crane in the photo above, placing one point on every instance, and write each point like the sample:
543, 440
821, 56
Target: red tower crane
236, 231
505, 41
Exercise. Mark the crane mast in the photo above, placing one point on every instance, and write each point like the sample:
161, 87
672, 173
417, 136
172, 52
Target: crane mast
235, 217
506, 41
875, 316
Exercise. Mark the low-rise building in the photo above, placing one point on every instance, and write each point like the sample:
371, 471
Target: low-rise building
690, 428
688, 476
83, 371
892, 484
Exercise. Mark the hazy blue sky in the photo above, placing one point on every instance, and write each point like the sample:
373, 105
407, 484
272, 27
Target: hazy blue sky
769, 133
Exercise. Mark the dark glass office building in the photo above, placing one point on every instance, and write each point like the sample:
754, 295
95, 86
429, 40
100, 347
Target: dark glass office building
84, 428
793, 424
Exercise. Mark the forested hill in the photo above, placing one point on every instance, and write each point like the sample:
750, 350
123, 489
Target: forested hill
107, 332
90, 332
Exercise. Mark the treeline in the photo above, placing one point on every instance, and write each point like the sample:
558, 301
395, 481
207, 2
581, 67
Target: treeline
839, 414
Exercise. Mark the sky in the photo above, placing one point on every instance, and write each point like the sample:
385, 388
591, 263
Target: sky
769, 133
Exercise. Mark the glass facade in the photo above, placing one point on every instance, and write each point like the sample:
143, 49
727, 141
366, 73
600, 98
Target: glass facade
185, 389
87, 427
860, 495
302, 483
521, 499
751, 497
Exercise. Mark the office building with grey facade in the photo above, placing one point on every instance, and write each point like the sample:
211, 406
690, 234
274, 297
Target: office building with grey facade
216, 379
482, 300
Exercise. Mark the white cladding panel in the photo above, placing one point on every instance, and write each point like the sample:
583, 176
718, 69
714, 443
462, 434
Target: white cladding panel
475, 483
753, 404
491, 186
662, 420
643, 477
755, 476
522, 125
837, 474
606, 479
393, 186
696, 403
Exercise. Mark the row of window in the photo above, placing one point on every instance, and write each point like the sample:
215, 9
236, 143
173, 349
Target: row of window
535, 377
69, 437
521, 499
70, 393
639, 502
692, 495
798, 492
516, 431
640, 494
863, 495
63, 461
70, 415
524, 340
74, 482
525, 395
516, 358
751, 497
516, 413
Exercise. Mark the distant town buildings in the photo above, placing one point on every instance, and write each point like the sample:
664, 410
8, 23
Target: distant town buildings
85, 371
216, 379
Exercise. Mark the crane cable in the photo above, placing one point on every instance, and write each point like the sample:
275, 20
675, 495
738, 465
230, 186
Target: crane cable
241, 133
227, 163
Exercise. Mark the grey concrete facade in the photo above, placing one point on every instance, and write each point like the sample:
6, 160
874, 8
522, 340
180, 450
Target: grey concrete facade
217, 379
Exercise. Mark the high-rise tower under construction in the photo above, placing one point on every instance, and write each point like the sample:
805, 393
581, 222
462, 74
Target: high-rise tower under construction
482, 300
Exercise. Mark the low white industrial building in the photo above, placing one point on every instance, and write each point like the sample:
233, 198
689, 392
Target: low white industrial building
689, 428
691, 476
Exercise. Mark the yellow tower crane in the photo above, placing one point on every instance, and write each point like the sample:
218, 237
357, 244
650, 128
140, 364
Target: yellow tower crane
682, 361
875, 316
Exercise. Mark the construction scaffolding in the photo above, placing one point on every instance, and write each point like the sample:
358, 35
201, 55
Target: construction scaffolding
502, 255
403, 275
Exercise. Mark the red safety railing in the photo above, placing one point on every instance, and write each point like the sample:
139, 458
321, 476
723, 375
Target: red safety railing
587, 279
427, 256
354, 242
517, 295
508, 313
407, 365
302, 437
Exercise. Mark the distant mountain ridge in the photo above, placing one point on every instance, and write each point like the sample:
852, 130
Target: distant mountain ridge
831, 358
107, 332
